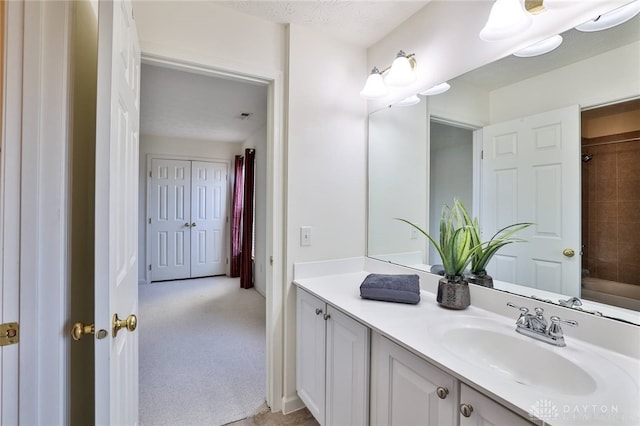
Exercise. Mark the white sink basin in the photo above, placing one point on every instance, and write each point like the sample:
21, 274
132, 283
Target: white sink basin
527, 363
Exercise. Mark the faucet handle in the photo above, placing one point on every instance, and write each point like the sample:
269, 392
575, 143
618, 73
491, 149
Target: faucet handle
557, 320
555, 331
523, 310
523, 319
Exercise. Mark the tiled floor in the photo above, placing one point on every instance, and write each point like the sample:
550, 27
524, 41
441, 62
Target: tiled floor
299, 418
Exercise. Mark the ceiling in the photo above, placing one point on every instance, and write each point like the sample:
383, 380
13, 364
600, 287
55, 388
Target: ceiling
186, 105
361, 22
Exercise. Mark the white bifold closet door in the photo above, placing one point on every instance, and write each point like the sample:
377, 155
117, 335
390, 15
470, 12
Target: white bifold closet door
188, 212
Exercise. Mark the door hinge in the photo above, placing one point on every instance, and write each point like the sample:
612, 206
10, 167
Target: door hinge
227, 261
9, 333
271, 260
150, 173
482, 154
149, 221
149, 267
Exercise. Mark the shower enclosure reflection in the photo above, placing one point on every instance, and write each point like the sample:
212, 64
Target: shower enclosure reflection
611, 204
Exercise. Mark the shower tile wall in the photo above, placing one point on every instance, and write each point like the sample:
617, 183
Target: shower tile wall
611, 201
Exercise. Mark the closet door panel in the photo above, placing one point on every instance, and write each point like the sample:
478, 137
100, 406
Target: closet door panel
170, 213
208, 218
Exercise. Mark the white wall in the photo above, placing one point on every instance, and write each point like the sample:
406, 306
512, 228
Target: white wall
258, 141
206, 33
601, 79
451, 174
463, 103
326, 161
179, 149
398, 178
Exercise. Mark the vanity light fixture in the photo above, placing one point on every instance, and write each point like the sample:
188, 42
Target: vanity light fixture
611, 19
411, 100
507, 18
540, 48
437, 89
374, 87
400, 73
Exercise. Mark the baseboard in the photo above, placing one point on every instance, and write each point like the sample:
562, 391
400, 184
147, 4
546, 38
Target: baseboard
291, 404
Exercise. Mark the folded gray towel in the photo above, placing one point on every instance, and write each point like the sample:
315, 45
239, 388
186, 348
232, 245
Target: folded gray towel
391, 288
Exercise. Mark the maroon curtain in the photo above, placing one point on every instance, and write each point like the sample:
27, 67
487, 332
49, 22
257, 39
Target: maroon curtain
236, 218
246, 268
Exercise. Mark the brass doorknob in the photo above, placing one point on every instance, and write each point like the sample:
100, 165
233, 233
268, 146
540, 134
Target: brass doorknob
568, 252
130, 323
187, 224
193, 224
81, 329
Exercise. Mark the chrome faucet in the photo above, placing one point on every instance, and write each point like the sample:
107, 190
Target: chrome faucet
537, 327
570, 302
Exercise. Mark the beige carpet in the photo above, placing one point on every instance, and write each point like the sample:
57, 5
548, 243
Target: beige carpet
202, 352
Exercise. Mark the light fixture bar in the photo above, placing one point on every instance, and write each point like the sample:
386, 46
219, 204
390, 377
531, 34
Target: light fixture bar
534, 6
400, 73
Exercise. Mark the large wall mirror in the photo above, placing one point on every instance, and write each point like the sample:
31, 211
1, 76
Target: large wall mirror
581, 103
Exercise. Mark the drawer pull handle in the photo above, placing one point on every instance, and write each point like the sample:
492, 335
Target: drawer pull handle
466, 410
442, 392
318, 311
326, 316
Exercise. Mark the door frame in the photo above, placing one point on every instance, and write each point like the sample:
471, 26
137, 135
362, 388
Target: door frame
274, 81
38, 126
145, 215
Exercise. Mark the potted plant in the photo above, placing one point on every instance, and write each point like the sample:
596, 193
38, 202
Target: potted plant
485, 250
456, 249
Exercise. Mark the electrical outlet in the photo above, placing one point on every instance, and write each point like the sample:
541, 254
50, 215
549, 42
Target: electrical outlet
305, 236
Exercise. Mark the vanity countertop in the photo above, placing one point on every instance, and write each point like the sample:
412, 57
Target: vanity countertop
613, 397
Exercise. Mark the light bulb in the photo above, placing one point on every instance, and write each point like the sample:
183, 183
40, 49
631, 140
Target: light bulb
411, 100
374, 87
437, 89
541, 47
401, 72
611, 19
507, 18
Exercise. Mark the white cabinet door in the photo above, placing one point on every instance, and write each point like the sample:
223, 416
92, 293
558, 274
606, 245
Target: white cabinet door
170, 211
531, 173
310, 353
208, 217
347, 375
487, 412
404, 388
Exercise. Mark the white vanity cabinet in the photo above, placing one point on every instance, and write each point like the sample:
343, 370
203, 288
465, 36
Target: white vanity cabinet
477, 409
332, 363
407, 390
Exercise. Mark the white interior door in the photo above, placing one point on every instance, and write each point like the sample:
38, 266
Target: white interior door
208, 218
531, 173
170, 216
116, 222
